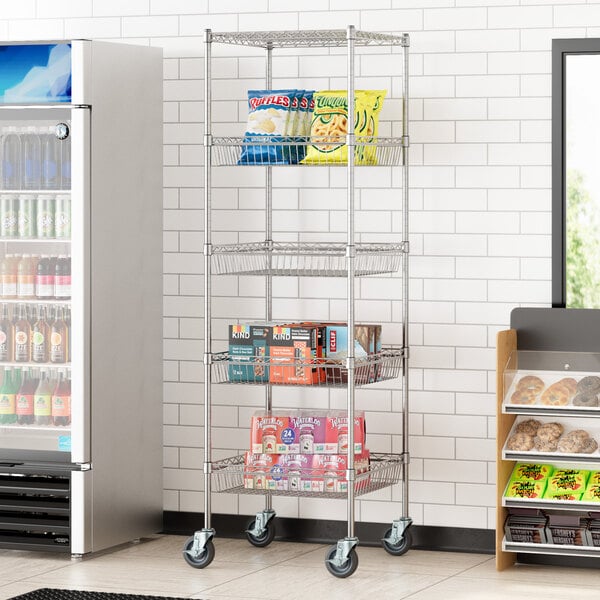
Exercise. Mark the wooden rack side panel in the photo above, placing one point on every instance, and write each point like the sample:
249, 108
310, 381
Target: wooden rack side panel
506, 344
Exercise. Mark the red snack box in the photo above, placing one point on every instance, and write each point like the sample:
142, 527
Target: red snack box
293, 354
257, 470
267, 431
336, 434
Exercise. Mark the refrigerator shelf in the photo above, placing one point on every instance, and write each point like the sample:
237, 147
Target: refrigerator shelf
383, 366
369, 151
34, 301
35, 240
25, 365
52, 428
305, 259
230, 474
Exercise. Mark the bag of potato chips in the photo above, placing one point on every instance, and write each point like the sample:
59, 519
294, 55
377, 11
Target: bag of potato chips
268, 121
329, 127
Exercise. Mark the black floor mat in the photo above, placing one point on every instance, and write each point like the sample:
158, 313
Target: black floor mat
56, 594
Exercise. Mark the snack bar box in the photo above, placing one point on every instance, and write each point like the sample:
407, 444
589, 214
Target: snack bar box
248, 352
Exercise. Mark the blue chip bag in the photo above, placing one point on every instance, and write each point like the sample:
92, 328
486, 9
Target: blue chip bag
268, 121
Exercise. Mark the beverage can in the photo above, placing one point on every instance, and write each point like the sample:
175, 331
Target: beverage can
62, 216
9, 214
45, 216
26, 225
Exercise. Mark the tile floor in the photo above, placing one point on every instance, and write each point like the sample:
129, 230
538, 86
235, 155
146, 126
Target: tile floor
290, 571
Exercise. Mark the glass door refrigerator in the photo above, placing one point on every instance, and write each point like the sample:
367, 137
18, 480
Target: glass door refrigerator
80, 294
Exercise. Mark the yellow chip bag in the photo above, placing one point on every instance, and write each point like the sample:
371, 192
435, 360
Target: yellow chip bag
329, 127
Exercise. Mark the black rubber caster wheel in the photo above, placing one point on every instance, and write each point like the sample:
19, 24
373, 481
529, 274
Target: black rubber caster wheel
260, 541
402, 547
347, 568
205, 558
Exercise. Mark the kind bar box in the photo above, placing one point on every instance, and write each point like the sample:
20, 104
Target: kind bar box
336, 434
293, 354
248, 353
268, 432
367, 341
310, 428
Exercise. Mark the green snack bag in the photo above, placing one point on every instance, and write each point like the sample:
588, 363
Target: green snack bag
532, 471
561, 495
525, 488
568, 480
592, 493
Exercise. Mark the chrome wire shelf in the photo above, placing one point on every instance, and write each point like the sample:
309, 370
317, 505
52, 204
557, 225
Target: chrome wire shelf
261, 370
318, 38
328, 151
230, 475
305, 259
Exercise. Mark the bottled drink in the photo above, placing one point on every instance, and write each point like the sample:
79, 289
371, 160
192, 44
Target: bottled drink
6, 335
44, 285
11, 159
42, 400
32, 159
8, 413
26, 221
8, 276
52, 274
59, 337
40, 337
22, 335
62, 277
61, 400
25, 277
50, 159
9, 215
45, 226
62, 216
25, 397
65, 164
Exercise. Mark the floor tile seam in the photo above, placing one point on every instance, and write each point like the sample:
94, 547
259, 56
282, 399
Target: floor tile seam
444, 579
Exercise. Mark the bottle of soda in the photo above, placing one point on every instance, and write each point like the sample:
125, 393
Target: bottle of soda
6, 335
11, 159
25, 397
62, 277
50, 159
25, 277
42, 400
44, 287
22, 352
40, 337
8, 274
59, 337
7, 399
61, 400
32, 159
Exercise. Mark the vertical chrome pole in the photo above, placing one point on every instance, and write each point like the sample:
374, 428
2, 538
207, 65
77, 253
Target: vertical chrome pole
207, 279
350, 256
405, 256
269, 243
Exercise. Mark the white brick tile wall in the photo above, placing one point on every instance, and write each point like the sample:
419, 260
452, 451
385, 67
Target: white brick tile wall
480, 227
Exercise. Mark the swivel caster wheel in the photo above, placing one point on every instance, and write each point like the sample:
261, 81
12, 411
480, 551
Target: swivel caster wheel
344, 570
203, 559
262, 539
401, 547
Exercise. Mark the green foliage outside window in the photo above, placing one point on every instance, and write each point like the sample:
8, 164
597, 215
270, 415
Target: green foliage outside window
583, 245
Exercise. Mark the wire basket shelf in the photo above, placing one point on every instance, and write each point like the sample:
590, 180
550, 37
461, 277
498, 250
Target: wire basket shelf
320, 38
231, 475
305, 259
305, 151
324, 372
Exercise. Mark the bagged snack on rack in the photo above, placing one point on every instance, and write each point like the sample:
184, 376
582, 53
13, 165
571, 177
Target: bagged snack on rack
525, 488
300, 131
592, 493
568, 481
268, 122
329, 127
533, 472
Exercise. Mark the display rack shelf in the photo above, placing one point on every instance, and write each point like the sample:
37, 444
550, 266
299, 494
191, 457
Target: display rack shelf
385, 470
556, 549
319, 38
383, 366
369, 151
305, 259
546, 504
